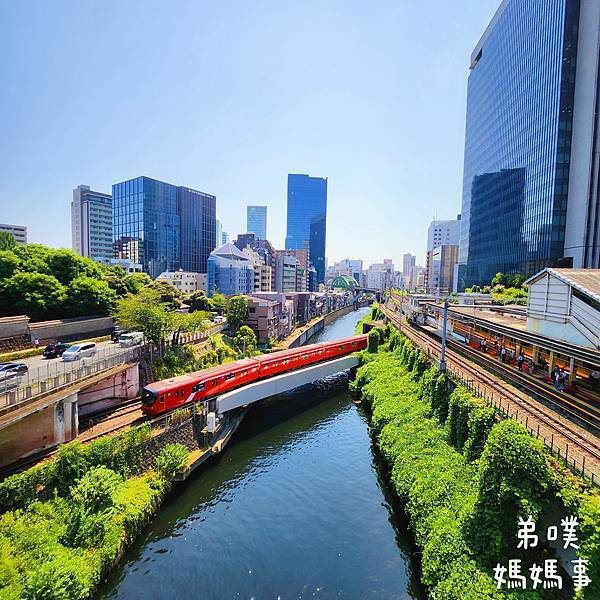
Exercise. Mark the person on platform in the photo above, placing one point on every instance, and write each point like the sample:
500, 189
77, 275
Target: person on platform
520, 361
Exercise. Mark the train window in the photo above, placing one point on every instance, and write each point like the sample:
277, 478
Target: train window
354, 343
199, 387
341, 347
229, 376
162, 398
304, 356
285, 362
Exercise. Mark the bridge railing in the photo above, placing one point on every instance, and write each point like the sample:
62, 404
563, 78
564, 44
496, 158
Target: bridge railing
54, 374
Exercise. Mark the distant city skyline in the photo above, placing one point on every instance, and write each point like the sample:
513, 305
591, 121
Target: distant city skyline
370, 121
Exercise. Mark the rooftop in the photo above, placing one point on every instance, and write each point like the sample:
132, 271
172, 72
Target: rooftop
586, 281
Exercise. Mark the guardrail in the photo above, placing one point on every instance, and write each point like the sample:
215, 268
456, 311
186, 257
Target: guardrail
55, 374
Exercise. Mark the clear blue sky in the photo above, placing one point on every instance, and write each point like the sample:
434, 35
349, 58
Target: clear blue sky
229, 97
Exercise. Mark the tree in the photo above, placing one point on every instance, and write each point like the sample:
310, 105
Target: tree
499, 279
147, 313
245, 341
517, 280
37, 295
33, 258
167, 293
237, 311
7, 241
117, 285
67, 265
199, 301
219, 303
87, 296
373, 341
8, 263
136, 281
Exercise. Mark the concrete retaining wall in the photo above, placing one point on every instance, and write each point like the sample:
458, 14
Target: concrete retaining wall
71, 329
14, 326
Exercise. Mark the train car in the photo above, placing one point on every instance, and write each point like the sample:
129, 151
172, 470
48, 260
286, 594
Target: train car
345, 346
165, 395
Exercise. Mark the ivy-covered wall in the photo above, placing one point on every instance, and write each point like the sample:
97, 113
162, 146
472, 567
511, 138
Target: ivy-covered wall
464, 478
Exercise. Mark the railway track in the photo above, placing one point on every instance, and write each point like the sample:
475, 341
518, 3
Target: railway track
586, 443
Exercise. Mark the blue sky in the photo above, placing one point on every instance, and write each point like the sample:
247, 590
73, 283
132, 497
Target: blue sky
229, 97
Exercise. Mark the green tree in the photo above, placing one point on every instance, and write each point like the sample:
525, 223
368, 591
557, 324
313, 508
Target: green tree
167, 293
244, 341
33, 258
87, 296
373, 341
499, 279
199, 301
147, 313
219, 303
67, 265
136, 281
7, 241
516, 281
9, 263
37, 295
117, 285
237, 311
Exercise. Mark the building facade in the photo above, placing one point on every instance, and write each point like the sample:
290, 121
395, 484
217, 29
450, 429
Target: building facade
230, 271
256, 221
92, 223
530, 187
162, 226
19, 232
186, 282
307, 219
441, 268
408, 262
286, 271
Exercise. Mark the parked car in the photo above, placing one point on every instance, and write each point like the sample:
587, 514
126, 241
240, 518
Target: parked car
133, 338
219, 319
79, 351
116, 333
55, 350
13, 368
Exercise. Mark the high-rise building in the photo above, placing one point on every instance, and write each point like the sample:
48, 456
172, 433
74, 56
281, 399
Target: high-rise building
162, 226
92, 223
530, 183
443, 233
219, 233
440, 235
19, 232
408, 262
307, 218
286, 272
230, 271
256, 221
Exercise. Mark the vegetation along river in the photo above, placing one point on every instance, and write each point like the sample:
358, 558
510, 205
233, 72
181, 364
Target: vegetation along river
296, 507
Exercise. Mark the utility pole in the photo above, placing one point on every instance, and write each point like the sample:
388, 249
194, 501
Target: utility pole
444, 324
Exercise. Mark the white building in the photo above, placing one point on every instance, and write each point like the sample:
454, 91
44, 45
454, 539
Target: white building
408, 262
262, 272
128, 265
443, 233
92, 223
19, 232
185, 281
380, 276
565, 304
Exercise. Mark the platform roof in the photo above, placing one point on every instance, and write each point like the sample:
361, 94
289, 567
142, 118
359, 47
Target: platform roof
587, 281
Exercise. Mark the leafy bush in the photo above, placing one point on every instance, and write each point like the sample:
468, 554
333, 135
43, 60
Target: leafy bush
171, 459
373, 341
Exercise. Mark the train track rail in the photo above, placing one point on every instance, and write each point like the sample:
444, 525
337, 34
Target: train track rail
582, 441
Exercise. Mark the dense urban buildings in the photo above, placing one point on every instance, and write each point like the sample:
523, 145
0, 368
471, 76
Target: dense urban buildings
163, 227
256, 221
531, 186
92, 223
307, 218
19, 232
408, 262
230, 271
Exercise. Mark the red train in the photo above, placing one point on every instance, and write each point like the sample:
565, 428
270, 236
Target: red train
165, 395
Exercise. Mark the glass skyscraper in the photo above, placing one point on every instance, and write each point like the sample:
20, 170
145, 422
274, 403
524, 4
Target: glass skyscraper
520, 207
256, 222
307, 218
161, 226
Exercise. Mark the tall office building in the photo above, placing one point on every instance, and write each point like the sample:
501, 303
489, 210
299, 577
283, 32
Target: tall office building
256, 221
163, 227
532, 141
19, 232
91, 223
443, 233
442, 248
230, 271
408, 262
307, 218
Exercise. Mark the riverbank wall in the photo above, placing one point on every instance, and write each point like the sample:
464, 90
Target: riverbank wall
464, 479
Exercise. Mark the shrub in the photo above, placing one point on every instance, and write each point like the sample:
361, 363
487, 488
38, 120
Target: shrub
171, 459
373, 341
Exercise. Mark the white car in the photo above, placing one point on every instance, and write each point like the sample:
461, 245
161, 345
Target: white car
219, 319
133, 338
79, 351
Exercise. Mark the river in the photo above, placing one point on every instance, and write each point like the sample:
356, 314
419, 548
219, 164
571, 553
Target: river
295, 507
